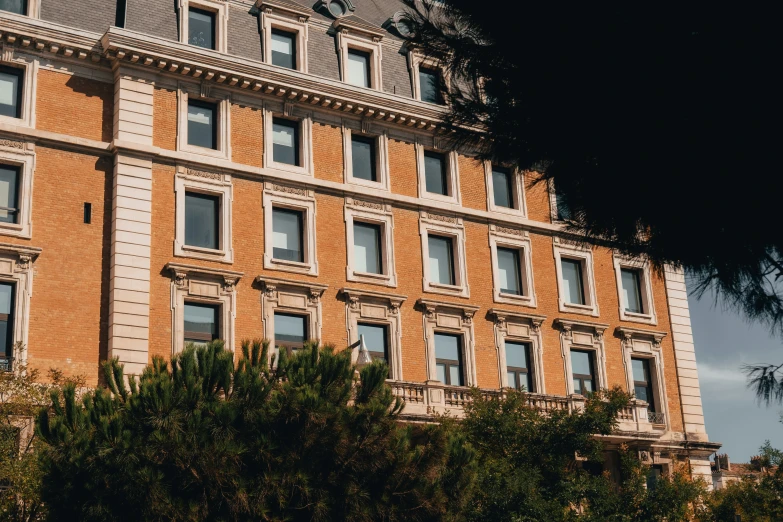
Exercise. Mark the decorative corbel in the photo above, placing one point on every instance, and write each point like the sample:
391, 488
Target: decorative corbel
24, 261
205, 89
288, 108
180, 277
315, 294
394, 306
535, 325
467, 317
270, 290
354, 302
229, 283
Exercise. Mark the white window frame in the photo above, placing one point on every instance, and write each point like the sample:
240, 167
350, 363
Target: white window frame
287, 18
519, 240
453, 228
379, 214
381, 156
222, 102
415, 62
517, 187
291, 297
213, 184
452, 173
348, 38
20, 154
381, 309
17, 267
583, 336
209, 286
221, 10
452, 319
521, 328
585, 256
648, 302
29, 67
301, 200
646, 344
305, 121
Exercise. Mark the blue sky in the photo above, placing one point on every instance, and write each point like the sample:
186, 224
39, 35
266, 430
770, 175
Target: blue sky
724, 342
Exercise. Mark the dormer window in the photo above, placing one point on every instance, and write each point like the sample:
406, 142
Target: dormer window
400, 23
14, 6
338, 8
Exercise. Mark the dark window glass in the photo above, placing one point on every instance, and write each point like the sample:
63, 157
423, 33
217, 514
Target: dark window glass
336, 8
582, 370
508, 271
655, 473
202, 131
201, 28
88, 213
285, 141
290, 331
367, 248
429, 85
120, 12
563, 212
363, 158
11, 92
358, 68
283, 49
632, 290
642, 382
287, 235
573, 285
448, 359
435, 173
518, 366
201, 323
14, 6
9, 194
202, 220
441, 254
376, 340
502, 188
6, 326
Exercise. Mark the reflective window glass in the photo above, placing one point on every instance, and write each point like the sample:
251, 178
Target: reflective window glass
573, 288
285, 141
441, 260
502, 188
287, 235
10, 92
201, 28
290, 330
508, 271
363, 158
201, 323
202, 131
14, 6
367, 248
632, 290
358, 68
429, 85
435, 173
283, 49
9, 194
375, 339
448, 359
202, 220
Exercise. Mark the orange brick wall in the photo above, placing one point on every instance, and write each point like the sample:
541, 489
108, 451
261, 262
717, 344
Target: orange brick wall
328, 152
472, 183
247, 135
74, 105
537, 199
164, 119
402, 168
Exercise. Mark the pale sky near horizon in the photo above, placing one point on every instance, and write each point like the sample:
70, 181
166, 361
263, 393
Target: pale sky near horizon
724, 342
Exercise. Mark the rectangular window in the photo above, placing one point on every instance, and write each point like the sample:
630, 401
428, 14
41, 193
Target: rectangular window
582, 371
202, 131
448, 359
201, 28
202, 220
509, 271
363, 158
502, 188
290, 331
283, 49
654, 475
518, 366
573, 284
376, 340
11, 92
285, 141
14, 6
367, 248
562, 211
435, 173
201, 323
441, 252
287, 235
632, 290
9, 194
642, 382
429, 85
358, 68
6, 326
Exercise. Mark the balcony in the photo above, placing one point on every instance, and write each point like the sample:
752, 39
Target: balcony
427, 399
6, 363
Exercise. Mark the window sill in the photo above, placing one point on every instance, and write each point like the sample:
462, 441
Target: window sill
296, 169
508, 211
439, 197
524, 300
15, 230
207, 254
638, 318
579, 309
376, 279
377, 185
203, 151
290, 266
19, 122
438, 288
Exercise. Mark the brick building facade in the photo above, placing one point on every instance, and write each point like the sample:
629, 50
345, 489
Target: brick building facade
176, 171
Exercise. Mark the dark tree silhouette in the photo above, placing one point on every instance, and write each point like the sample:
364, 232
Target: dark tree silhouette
657, 125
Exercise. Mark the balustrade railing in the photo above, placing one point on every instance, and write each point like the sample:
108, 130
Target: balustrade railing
656, 417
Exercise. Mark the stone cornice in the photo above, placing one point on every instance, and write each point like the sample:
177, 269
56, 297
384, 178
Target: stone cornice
286, 6
568, 324
501, 314
627, 332
369, 294
432, 304
39, 35
181, 273
279, 281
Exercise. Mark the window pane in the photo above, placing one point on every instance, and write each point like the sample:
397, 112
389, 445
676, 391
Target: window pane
641, 393
632, 290
441, 368
9, 177
201, 124
429, 85
6, 294
512, 379
581, 363
563, 212
10, 90
336, 8
435, 173
287, 235
14, 6
578, 387
290, 328
529, 382
363, 158
201, 28
572, 281
455, 375
283, 49
516, 355
367, 248
508, 271
588, 387
200, 323
641, 369
441, 260
447, 347
374, 339
201, 220
285, 142
502, 188
358, 68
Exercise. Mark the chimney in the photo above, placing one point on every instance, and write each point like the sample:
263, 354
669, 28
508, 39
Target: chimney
722, 462
758, 463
